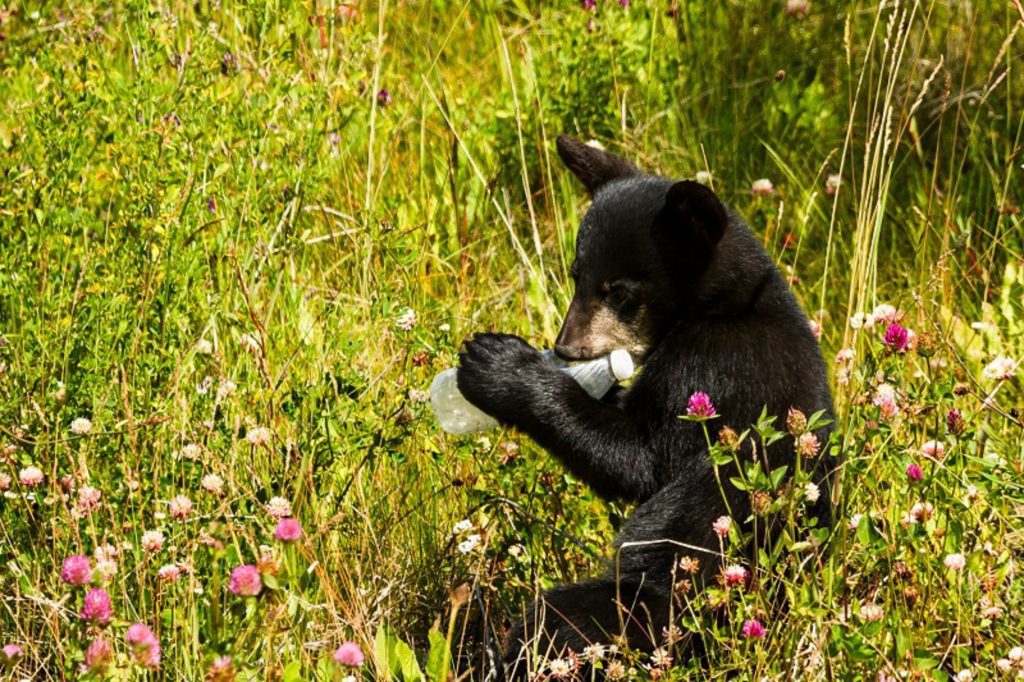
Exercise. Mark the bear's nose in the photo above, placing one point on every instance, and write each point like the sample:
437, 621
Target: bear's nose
571, 353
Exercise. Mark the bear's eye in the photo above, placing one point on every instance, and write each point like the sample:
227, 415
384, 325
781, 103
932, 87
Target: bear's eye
620, 292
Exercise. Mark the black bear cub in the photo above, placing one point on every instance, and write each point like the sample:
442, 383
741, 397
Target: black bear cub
666, 271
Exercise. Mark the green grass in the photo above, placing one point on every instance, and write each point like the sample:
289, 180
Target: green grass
175, 172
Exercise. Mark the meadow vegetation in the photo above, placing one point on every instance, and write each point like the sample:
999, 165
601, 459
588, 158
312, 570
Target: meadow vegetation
237, 241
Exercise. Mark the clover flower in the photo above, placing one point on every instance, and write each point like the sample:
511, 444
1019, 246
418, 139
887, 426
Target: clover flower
144, 646
213, 484
700, 406
97, 607
169, 573
1001, 368
807, 445
279, 507
98, 655
955, 562
934, 449
914, 473
245, 581
762, 187
76, 570
753, 629
30, 476
258, 435
288, 530
221, 670
896, 338
871, 612
349, 654
181, 507
734, 574
407, 320
88, 499
152, 541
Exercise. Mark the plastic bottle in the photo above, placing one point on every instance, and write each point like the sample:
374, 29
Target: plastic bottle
458, 416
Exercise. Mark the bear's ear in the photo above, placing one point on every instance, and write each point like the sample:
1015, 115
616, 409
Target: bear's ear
592, 165
692, 206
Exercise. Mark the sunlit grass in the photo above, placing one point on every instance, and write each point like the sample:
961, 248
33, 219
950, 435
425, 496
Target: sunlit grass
215, 217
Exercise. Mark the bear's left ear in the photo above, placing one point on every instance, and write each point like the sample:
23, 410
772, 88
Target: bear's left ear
592, 165
692, 206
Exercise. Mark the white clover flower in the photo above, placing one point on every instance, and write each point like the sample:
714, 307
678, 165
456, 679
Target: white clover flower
471, 541
204, 347
258, 435
933, 449
279, 507
226, 389
871, 612
152, 541
169, 573
560, 668
250, 343
189, 451
660, 658
616, 670
180, 506
955, 562
88, 498
1001, 368
407, 320
203, 387
885, 314
922, 511
212, 483
762, 187
81, 426
105, 569
812, 493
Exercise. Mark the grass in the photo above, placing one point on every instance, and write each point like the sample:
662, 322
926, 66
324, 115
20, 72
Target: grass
200, 196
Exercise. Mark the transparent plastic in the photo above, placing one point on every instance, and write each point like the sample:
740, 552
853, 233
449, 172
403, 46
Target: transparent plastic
458, 416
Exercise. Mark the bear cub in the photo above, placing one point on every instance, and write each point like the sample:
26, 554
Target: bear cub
666, 271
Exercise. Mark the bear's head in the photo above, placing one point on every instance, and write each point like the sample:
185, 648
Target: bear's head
642, 247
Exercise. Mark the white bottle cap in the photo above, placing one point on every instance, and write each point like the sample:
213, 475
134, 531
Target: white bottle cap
621, 363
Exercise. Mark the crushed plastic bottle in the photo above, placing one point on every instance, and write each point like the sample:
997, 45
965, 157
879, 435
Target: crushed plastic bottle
458, 416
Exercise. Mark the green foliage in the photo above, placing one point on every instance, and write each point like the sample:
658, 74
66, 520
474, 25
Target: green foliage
212, 221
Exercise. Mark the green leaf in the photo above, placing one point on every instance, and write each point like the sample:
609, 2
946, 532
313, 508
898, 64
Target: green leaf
777, 476
398, 656
817, 421
903, 641
738, 482
292, 672
438, 665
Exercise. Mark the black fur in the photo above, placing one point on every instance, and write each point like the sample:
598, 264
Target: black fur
719, 318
